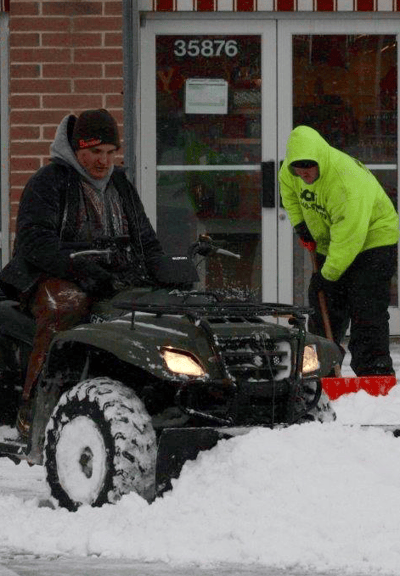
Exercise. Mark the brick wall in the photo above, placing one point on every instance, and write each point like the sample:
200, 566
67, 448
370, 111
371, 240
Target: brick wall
64, 57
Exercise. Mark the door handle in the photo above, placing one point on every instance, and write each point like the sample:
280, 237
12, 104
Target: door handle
268, 184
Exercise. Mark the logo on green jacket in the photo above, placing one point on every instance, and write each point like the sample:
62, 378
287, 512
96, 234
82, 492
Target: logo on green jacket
308, 196
308, 202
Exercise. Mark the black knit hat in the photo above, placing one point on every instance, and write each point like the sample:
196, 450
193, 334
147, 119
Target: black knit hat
94, 127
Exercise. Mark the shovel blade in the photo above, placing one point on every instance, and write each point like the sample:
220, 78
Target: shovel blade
373, 385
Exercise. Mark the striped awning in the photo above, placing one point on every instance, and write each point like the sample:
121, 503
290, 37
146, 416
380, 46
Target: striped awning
270, 5
4, 5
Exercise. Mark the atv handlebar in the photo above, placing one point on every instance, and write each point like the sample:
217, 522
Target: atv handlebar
106, 246
227, 253
205, 246
93, 252
103, 246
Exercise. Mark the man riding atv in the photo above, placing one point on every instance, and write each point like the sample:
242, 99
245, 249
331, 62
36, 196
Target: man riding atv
75, 203
124, 378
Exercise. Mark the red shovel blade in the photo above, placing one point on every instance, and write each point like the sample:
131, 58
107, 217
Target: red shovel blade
374, 385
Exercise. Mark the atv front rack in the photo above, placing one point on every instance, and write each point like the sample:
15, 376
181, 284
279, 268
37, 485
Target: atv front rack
296, 314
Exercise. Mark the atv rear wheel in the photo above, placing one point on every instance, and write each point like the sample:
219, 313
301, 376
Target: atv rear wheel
99, 445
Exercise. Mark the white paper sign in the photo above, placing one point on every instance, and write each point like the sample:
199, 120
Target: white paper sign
206, 96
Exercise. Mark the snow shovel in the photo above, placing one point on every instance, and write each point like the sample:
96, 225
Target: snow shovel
338, 385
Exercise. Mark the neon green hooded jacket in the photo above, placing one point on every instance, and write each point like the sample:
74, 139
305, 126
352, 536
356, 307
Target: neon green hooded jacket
346, 209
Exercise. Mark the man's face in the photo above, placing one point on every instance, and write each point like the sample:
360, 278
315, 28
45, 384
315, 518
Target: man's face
308, 175
98, 160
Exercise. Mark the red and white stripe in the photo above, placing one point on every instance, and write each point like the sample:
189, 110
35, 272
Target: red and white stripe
270, 5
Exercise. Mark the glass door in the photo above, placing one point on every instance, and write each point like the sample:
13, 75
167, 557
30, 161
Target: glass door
342, 81
202, 167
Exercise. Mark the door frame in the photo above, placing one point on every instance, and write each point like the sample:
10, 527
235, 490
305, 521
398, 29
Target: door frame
287, 29
147, 177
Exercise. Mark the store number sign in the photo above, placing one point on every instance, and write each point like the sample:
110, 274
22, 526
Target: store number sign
205, 48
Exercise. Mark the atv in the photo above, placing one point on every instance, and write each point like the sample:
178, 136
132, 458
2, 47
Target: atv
156, 375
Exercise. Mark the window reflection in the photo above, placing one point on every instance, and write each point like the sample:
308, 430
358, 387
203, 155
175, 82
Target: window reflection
346, 88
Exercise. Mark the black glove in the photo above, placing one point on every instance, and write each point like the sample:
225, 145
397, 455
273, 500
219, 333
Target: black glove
92, 278
305, 237
318, 283
105, 242
204, 249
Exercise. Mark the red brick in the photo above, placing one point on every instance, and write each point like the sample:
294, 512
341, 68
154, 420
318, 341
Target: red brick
113, 39
71, 40
15, 197
77, 8
19, 40
22, 24
24, 8
113, 8
26, 163
24, 101
49, 132
25, 71
36, 117
14, 206
40, 86
72, 71
99, 55
113, 71
98, 86
97, 24
25, 148
114, 101
73, 101
24, 133
19, 179
39, 55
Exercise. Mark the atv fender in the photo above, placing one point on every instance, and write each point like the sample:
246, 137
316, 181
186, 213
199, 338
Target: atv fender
140, 343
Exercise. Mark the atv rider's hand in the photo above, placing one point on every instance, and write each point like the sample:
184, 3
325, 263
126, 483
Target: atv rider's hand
92, 278
205, 246
305, 238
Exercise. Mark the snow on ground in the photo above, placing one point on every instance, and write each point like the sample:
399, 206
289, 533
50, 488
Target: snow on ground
324, 497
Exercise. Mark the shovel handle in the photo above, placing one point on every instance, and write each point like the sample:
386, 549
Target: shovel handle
324, 311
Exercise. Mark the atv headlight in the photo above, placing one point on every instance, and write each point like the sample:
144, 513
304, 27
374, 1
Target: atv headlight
182, 362
310, 359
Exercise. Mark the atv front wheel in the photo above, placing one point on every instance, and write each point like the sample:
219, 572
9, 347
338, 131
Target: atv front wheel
99, 445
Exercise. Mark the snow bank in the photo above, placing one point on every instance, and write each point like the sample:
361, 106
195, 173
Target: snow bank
318, 496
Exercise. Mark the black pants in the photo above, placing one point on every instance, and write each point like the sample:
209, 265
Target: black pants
361, 298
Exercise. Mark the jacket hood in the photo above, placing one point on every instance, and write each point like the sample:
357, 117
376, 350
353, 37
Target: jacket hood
61, 149
305, 143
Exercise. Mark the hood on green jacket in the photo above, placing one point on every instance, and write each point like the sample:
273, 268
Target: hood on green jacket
307, 144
